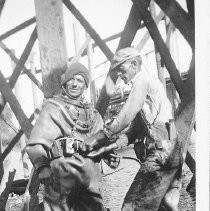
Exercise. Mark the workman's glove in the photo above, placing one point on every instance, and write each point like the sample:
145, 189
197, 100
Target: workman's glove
94, 142
103, 150
121, 142
45, 176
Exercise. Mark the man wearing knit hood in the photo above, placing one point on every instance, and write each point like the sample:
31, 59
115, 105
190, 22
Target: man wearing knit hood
71, 181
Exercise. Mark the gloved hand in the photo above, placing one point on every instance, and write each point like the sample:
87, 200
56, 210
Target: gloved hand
94, 142
103, 150
45, 176
121, 142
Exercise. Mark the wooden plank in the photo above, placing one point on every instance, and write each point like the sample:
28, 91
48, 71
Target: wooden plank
189, 160
23, 58
16, 138
53, 57
184, 122
181, 19
18, 94
191, 8
1, 162
104, 48
52, 44
160, 69
146, 36
25, 70
189, 91
161, 47
110, 38
81, 50
132, 25
184, 119
91, 69
185, 116
169, 32
15, 106
76, 31
2, 3
17, 28
2, 102
21, 62
187, 105
33, 85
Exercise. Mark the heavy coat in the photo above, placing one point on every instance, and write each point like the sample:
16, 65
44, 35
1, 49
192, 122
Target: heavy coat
76, 180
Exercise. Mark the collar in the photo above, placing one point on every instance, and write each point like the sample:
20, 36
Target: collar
77, 102
133, 80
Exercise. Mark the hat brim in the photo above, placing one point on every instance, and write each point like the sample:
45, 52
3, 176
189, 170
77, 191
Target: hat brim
116, 64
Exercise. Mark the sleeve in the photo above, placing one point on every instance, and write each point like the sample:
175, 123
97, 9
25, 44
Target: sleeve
44, 132
133, 105
131, 134
98, 123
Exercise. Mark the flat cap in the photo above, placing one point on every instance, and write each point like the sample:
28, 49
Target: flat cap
123, 55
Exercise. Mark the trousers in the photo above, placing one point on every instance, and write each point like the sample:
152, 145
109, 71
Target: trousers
161, 164
75, 187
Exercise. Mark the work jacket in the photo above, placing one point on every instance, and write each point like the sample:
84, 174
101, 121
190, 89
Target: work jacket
76, 179
148, 97
149, 113
62, 117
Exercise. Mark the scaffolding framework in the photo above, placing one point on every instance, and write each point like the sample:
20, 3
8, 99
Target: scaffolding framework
54, 61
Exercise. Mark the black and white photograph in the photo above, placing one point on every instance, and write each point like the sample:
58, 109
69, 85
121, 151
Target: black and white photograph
104, 105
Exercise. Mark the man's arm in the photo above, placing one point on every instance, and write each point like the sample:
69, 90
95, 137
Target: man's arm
133, 105
44, 132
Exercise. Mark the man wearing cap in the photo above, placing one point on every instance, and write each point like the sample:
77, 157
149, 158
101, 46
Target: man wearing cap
149, 113
71, 181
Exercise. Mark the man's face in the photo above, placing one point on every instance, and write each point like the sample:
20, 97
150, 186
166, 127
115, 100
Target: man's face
76, 86
127, 71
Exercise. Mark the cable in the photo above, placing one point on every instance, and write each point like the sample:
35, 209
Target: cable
126, 157
121, 157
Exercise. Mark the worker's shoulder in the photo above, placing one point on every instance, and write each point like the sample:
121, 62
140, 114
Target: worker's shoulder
153, 81
51, 104
153, 84
143, 78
